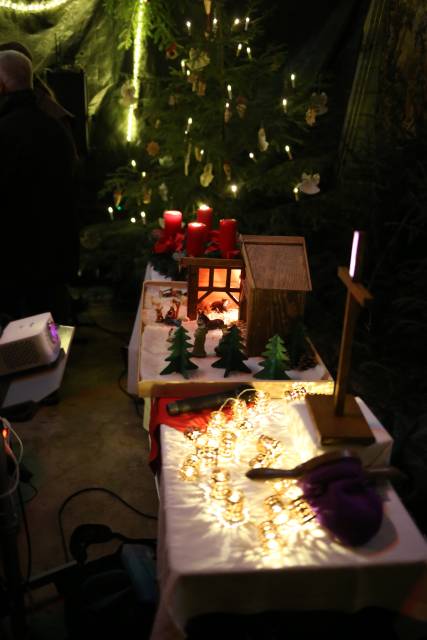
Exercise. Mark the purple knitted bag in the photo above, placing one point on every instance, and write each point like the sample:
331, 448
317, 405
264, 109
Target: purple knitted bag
343, 501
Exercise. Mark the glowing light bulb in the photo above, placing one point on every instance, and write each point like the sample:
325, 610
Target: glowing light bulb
110, 210
296, 193
288, 151
239, 49
236, 22
230, 91
183, 66
143, 174
285, 105
248, 51
247, 20
188, 25
234, 189
133, 220
143, 217
189, 123
133, 163
252, 156
293, 77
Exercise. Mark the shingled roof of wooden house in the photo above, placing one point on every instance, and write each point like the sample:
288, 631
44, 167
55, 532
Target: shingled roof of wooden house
276, 262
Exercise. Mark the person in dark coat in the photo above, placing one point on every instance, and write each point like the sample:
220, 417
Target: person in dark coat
38, 228
45, 97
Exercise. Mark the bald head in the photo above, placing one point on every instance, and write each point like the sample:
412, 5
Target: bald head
16, 72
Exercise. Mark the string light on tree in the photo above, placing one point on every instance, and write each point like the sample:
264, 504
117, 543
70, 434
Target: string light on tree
285, 105
289, 152
236, 22
239, 49
230, 91
183, 66
296, 193
249, 52
111, 213
143, 217
189, 123
133, 220
252, 156
188, 25
137, 50
293, 78
234, 189
133, 163
247, 20
32, 7
143, 174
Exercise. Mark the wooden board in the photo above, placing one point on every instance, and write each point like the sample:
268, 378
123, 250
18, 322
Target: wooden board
351, 428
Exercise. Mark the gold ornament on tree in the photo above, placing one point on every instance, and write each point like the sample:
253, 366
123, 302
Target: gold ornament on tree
241, 106
263, 144
117, 197
153, 148
227, 170
208, 6
207, 175
310, 116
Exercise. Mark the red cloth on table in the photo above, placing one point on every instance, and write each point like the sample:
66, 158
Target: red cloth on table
182, 422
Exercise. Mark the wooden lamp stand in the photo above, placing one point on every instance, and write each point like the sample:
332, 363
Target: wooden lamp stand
338, 418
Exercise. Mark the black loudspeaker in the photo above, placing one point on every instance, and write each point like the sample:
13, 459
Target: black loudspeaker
69, 87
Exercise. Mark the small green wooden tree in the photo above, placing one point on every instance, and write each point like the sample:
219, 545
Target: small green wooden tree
179, 354
276, 360
231, 351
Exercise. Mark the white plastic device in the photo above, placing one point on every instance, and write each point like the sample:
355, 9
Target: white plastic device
28, 343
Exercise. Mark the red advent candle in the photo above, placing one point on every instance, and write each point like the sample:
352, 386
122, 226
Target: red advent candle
205, 214
173, 222
227, 236
196, 232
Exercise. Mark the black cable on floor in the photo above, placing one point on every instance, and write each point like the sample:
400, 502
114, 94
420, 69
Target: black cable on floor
137, 401
87, 490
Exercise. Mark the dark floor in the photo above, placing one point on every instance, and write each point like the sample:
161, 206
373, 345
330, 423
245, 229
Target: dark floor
93, 437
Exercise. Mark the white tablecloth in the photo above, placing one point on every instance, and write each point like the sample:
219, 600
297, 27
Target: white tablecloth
205, 568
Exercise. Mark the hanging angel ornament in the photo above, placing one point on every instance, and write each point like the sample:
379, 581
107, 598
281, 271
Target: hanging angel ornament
319, 102
163, 192
309, 183
207, 176
263, 144
198, 60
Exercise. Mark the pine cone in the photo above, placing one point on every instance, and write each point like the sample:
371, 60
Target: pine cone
307, 361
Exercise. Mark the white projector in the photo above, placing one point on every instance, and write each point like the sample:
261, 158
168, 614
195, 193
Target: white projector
28, 343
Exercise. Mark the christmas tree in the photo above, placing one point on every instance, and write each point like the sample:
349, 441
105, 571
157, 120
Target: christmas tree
179, 358
300, 352
231, 350
276, 360
218, 121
